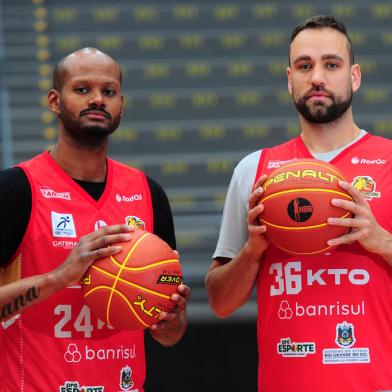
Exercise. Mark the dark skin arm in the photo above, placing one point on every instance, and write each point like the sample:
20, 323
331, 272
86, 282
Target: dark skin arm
173, 324
35, 289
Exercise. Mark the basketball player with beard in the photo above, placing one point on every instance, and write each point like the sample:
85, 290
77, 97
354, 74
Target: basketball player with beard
325, 321
60, 211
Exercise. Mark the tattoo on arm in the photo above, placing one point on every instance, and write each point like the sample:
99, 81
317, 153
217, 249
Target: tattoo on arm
18, 303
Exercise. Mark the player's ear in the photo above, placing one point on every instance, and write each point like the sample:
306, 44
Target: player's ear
289, 80
355, 77
54, 101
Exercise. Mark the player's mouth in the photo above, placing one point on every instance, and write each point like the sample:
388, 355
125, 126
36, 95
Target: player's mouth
98, 115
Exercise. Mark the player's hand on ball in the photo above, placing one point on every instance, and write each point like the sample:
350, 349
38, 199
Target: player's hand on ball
172, 324
363, 225
257, 241
89, 248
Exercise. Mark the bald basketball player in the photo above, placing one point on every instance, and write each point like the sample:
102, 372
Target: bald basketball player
60, 213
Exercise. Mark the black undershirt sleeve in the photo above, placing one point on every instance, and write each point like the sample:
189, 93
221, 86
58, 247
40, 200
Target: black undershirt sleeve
163, 218
15, 210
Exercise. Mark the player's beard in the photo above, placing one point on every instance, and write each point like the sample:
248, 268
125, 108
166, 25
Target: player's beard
320, 112
88, 135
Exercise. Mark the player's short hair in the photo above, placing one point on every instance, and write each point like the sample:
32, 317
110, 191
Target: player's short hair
323, 21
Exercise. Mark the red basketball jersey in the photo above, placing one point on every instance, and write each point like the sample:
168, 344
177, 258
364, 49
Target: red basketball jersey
58, 345
325, 322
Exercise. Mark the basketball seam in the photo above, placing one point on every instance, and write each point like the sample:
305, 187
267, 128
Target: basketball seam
146, 266
305, 190
121, 295
130, 283
119, 273
300, 228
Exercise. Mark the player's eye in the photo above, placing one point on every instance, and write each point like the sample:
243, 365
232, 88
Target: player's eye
304, 67
81, 90
109, 92
332, 65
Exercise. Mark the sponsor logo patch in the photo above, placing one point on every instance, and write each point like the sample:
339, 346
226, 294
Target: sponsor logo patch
362, 161
48, 193
74, 386
128, 199
286, 312
63, 225
276, 164
64, 244
287, 348
75, 354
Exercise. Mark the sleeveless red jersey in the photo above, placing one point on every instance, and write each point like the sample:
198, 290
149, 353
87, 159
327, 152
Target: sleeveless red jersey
325, 322
58, 345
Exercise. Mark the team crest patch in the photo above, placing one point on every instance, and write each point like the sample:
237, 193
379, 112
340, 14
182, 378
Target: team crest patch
126, 382
345, 334
345, 352
367, 186
135, 221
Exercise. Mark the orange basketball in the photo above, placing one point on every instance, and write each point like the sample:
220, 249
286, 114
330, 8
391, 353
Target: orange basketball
130, 289
297, 203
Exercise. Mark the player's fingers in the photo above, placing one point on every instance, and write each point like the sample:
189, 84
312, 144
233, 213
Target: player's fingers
345, 222
346, 205
257, 230
103, 252
260, 181
345, 239
107, 231
184, 290
255, 197
354, 193
180, 301
254, 213
107, 240
166, 318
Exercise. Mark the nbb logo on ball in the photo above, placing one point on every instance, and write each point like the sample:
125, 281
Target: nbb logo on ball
300, 209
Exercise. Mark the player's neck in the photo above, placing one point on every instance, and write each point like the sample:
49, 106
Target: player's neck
330, 136
81, 163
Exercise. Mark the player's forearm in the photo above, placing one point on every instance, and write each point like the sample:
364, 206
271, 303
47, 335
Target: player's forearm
230, 285
385, 249
17, 296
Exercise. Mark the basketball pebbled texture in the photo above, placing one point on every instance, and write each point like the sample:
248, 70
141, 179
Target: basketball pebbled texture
130, 289
297, 202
